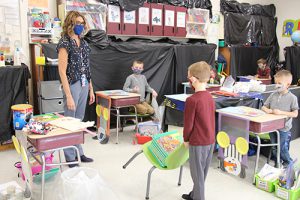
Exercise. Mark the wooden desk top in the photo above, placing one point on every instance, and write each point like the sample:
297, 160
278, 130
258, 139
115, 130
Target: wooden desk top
130, 95
55, 132
259, 119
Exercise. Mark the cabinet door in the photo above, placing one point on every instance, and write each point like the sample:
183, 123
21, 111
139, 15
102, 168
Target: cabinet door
143, 20
157, 19
180, 29
128, 23
114, 20
169, 20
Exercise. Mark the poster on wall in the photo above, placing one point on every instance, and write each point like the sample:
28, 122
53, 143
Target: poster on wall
181, 19
144, 15
169, 17
38, 3
156, 17
114, 14
289, 26
129, 17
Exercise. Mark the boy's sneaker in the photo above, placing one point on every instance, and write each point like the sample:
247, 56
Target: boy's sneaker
187, 196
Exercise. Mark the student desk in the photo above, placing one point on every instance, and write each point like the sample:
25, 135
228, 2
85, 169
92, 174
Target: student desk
209, 87
238, 125
56, 140
115, 103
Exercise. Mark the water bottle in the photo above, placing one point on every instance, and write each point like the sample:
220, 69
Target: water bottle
17, 57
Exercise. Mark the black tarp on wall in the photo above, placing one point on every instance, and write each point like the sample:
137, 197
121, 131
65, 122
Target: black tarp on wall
292, 59
244, 59
13, 81
248, 9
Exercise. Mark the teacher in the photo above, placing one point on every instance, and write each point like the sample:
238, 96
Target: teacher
75, 75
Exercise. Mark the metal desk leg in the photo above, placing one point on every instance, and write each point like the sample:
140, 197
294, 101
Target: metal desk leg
278, 148
184, 89
59, 157
257, 157
118, 120
43, 174
136, 118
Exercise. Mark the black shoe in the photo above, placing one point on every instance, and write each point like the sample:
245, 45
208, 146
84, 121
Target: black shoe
73, 165
187, 196
95, 137
86, 159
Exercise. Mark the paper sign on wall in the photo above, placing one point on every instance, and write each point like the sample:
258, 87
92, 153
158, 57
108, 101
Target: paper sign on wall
181, 19
289, 26
129, 17
114, 14
156, 17
144, 15
169, 17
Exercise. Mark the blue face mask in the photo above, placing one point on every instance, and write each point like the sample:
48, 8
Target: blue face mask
78, 28
137, 71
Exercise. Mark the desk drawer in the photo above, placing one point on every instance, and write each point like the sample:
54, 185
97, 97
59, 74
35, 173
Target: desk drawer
267, 126
43, 144
125, 101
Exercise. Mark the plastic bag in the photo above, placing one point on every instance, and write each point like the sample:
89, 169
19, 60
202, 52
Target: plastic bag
82, 183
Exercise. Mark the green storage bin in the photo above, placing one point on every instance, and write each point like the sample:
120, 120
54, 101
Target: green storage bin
268, 186
283, 193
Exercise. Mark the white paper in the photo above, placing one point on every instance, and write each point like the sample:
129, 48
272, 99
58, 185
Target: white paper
71, 124
156, 17
179, 97
144, 15
180, 19
114, 14
169, 18
129, 17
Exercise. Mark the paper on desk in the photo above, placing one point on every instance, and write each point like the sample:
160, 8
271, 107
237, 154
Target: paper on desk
244, 111
71, 124
116, 93
179, 97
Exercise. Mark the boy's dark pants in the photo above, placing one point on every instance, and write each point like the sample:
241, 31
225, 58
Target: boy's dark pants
200, 158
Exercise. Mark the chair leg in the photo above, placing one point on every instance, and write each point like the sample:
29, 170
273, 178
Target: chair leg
148, 181
257, 157
180, 176
132, 158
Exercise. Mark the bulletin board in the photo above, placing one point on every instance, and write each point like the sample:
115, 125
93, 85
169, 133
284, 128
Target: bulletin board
10, 35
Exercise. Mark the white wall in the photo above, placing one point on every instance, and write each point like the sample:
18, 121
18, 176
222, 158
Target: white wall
286, 9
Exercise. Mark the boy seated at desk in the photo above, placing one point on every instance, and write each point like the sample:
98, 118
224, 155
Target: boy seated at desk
137, 83
263, 71
282, 102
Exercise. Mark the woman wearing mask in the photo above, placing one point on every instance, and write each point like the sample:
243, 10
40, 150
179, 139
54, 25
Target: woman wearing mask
74, 72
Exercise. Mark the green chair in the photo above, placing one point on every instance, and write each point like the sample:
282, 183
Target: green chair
175, 160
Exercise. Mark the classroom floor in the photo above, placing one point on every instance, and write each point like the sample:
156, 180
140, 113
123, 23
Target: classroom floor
130, 184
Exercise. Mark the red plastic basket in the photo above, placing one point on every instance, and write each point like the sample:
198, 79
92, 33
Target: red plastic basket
141, 139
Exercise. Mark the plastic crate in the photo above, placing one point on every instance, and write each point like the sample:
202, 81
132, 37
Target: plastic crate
283, 193
268, 186
142, 139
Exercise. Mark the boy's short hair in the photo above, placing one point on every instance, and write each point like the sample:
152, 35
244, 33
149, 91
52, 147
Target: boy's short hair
200, 70
285, 74
262, 61
138, 62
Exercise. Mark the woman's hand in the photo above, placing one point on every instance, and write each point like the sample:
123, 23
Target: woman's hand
70, 103
92, 97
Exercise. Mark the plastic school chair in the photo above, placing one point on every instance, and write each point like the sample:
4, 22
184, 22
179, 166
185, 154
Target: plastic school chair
175, 160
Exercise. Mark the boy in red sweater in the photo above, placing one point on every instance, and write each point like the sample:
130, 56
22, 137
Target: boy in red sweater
199, 128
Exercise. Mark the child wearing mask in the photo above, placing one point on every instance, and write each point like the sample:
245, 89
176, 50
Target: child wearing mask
137, 83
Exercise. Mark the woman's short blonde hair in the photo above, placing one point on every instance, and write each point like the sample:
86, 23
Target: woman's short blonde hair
200, 70
70, 21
